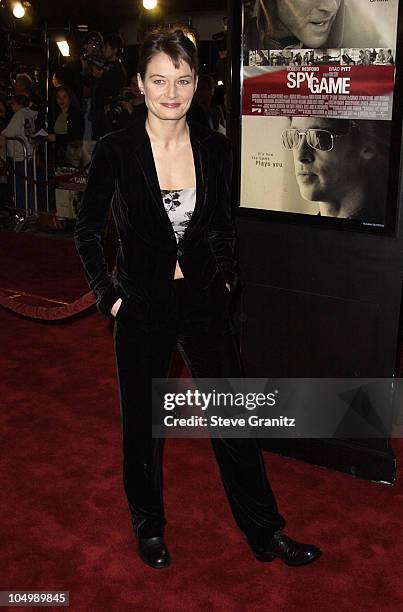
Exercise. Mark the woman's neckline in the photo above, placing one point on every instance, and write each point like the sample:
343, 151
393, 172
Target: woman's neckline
181, 189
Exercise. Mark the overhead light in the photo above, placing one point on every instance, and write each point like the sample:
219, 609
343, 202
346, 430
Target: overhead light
18, 10
149, 4
63, 47
82, 28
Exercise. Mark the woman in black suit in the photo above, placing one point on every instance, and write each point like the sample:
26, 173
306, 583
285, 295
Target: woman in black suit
169, 182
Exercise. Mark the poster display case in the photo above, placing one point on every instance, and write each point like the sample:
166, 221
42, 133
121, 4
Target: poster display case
319, 109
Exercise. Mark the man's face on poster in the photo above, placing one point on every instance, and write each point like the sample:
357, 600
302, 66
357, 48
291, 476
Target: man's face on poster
309, 20
325, 176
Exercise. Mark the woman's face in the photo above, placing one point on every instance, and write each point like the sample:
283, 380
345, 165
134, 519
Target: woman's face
168, 91
309, 20
63, 99
56, 81
15, 106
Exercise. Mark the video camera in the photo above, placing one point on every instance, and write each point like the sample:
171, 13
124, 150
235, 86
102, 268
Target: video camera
91, 51
94, 58
115, 107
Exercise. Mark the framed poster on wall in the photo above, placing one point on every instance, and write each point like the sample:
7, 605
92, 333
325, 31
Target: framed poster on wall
318, 111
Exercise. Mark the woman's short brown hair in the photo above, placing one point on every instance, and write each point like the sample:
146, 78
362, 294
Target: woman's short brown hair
173, 43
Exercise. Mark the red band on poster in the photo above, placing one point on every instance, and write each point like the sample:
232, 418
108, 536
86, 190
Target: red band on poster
279, 86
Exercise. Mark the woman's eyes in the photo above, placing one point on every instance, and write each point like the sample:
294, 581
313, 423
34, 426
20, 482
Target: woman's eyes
162, 82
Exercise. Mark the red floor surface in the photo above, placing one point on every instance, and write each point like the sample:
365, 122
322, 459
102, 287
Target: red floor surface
65, 523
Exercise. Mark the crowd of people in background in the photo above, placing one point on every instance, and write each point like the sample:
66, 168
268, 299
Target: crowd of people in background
88, 98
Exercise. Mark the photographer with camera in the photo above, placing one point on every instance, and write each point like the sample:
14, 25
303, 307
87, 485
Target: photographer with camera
119, 113
91, 50
132, 96
110, 77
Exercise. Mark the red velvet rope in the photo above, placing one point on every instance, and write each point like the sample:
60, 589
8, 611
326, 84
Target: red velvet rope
61, 178
28, 305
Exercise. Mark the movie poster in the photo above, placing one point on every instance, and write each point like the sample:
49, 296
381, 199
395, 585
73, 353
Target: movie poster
317, 98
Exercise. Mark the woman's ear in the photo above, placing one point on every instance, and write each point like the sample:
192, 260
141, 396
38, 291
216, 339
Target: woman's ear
140, 83
196, 81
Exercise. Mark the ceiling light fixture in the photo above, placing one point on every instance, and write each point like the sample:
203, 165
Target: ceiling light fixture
149, 4
63, 47
18, 10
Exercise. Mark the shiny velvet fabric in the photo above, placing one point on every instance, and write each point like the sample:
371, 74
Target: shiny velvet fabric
140, 356
159, 313
123, 172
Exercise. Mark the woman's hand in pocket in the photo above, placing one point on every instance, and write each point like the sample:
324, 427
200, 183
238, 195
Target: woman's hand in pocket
115, 308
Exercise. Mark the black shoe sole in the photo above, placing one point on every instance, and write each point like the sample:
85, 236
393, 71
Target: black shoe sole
267, 557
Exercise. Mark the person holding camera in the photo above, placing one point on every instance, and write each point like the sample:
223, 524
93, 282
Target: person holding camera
125, 107
132, 96
111, 80
91, 49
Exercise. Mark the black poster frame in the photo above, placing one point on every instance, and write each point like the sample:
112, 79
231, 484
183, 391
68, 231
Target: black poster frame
391, 221
269, 240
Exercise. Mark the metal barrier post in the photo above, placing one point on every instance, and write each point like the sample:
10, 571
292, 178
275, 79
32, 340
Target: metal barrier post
32, 212
28, 217
35, 178
46, 172
39, 183
26, 185
15, 184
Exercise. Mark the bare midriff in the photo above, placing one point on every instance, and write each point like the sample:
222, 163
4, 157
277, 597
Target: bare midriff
178, 271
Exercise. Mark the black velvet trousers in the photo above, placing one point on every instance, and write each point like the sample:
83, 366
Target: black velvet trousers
209, 352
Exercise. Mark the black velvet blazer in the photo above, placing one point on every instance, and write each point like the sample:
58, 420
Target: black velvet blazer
123, 175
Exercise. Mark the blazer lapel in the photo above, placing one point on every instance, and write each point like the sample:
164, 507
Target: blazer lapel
201, 160
145, 158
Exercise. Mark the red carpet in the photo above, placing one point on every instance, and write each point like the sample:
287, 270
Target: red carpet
65, 524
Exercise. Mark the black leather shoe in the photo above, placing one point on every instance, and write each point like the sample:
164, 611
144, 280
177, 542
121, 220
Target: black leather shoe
154, 552
288, 550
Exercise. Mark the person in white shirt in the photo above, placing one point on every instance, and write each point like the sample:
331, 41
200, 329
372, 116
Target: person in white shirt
22, 126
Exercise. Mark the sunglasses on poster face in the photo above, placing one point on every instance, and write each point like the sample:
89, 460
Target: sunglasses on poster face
318, 139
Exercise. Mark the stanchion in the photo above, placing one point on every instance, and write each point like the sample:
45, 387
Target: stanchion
30, 214
71, 180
